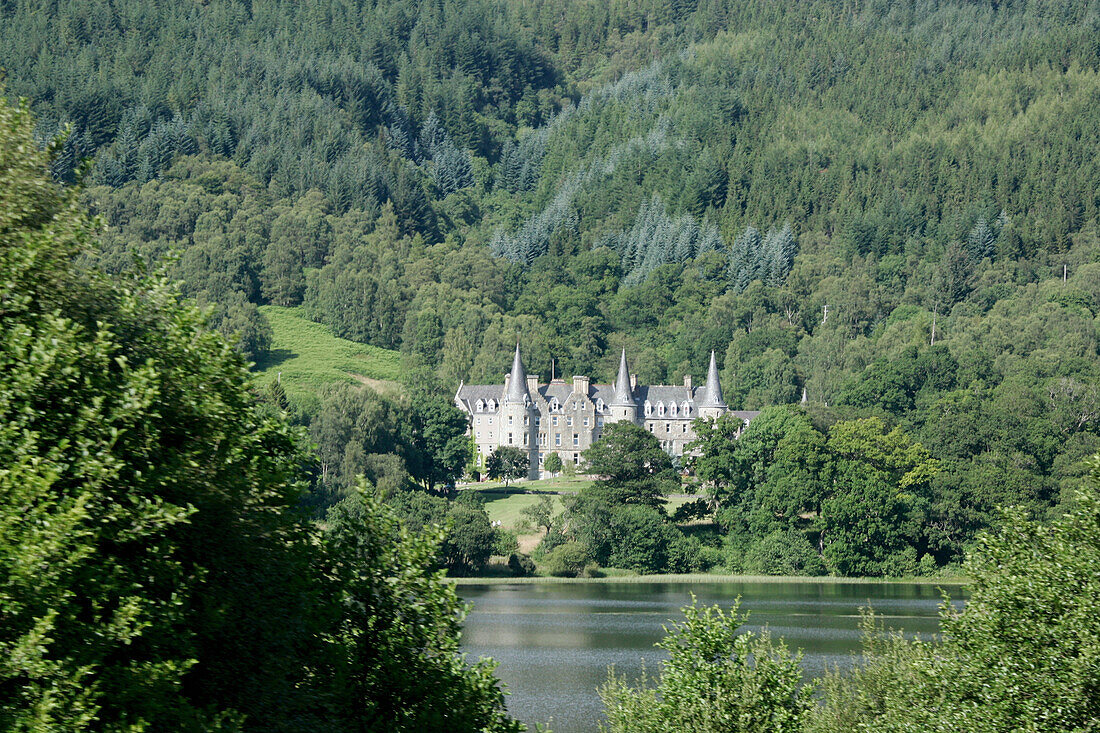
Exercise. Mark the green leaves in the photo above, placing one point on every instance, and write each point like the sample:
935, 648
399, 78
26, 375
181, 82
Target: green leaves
715, 679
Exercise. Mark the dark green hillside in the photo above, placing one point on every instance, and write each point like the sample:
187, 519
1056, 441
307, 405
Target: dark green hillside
875, 202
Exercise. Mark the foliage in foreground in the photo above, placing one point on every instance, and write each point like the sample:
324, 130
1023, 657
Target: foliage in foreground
155, 570
1023, 655
714, 680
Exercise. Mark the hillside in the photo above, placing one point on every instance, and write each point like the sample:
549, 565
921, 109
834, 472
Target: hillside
305, 356
890, 205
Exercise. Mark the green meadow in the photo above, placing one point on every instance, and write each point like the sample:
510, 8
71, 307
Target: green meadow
308, 356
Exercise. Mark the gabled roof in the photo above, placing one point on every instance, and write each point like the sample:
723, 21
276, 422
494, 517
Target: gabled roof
469, 394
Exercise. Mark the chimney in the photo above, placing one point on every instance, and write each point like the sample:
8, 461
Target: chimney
532, 383
633, 383
687, 382
580, 385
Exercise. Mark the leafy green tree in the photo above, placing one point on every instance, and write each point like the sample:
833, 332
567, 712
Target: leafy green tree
440, 442
541, 513
142, 494
153, 535
552, 463
632, 466
507, 462
408, 673
1020, 655
715, 679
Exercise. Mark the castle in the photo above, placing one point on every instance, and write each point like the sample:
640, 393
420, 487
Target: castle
566, 419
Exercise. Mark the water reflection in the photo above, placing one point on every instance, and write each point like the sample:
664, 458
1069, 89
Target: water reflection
554, 643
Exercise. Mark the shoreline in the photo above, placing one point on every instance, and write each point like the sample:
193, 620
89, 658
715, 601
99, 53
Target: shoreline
705, 578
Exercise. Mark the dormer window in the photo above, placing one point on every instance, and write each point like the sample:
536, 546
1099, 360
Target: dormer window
672, 409
480, 406
554, 404
685, 408
648, 408
661, 409
492, 405
599, 405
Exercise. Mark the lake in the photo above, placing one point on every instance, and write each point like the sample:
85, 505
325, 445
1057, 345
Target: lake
554, 642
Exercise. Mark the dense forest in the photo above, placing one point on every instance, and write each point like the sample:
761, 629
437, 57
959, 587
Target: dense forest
891, 206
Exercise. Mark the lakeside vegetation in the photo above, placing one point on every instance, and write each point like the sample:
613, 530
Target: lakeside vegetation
628, 577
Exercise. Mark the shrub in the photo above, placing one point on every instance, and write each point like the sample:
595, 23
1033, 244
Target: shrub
714, 680
521, 565
783, 552
566, 561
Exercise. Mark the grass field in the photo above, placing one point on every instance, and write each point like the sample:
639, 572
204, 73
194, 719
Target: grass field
506, 506
308, 356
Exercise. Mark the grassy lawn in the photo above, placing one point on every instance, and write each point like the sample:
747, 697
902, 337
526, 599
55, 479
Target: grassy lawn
505, 505
309, 357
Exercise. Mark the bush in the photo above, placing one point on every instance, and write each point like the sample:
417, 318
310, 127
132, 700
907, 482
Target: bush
714, 680
566, 561
783, 552
547, 544
641, 539
521, 565
506, 543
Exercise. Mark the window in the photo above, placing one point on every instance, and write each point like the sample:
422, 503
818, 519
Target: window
542, 438
538, 420
661, 409
555, 420
526, 439
526, 419
668, 427
649, 426
477, 420
648, 408
599, 405
576, 459
490, 421
576, 439
509, 419
554, 404
569, 421
599, 422
492, 405
557, 438
479, 435
685, 428
480, 406
685, 408
509, 438
586, 422
672, 409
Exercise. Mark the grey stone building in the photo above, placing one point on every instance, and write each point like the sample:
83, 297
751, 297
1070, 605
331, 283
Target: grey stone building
567, 418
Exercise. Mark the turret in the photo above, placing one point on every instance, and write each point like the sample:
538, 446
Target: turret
517, 410
711, 404
622, 405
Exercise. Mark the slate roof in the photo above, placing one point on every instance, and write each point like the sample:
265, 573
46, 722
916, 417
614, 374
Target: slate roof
469, 394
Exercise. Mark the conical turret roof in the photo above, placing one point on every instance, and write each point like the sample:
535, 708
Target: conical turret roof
712, 392
517, 382
622, 384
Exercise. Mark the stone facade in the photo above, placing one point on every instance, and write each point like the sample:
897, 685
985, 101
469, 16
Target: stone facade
567, 418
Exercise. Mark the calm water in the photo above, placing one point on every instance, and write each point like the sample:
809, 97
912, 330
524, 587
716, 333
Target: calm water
554, 643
